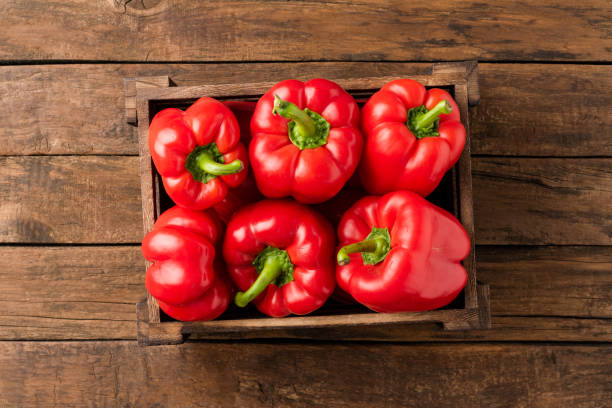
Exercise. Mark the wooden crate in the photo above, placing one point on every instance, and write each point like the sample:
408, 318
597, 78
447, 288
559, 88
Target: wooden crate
146, 96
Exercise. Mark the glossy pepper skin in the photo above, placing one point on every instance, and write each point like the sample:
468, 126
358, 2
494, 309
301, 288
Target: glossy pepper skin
198, 153
306, 140
246, 192
399, 253
413, 137
280, 254
184, 277
333, 210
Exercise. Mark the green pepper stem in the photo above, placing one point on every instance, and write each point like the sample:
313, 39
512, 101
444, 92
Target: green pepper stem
286, 109
375, 245
271, 270
206, 163
428, 118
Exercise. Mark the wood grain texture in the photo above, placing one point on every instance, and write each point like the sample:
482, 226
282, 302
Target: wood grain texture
70, 199
96, 199
539, 294
565, 115
181, 30
303, 375
543, 110
77, 293
532, 201
70, 292
551, 281
504, 329
64, 110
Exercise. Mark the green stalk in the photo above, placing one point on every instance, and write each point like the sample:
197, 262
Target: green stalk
205, 162
427, 119
304, 124
377, 247
272, 268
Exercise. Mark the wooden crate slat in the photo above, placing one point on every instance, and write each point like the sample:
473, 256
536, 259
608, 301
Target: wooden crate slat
175, 332
149, 193
246, 90
463, 183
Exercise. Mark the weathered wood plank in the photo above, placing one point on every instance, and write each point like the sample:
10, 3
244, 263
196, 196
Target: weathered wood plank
548, 281
543, 110
564, 115
96, 199
538, 294
303, 375
181, 30
64, 110
70, 199
70, 292
533, 201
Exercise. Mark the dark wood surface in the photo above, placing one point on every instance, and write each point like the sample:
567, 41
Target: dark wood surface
71, 270
250, 30
327, 374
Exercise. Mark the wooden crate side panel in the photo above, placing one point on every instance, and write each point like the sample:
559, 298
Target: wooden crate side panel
149, 194
465, 198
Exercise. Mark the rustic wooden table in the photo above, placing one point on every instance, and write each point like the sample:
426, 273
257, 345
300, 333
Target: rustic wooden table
71, 270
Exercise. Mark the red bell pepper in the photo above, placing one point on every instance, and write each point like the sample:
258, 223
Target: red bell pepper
280, 254
400, 253
246, 192
413, 137
198, 153
306, 140
184, 277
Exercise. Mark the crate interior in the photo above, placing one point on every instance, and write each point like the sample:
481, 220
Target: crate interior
445, 196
